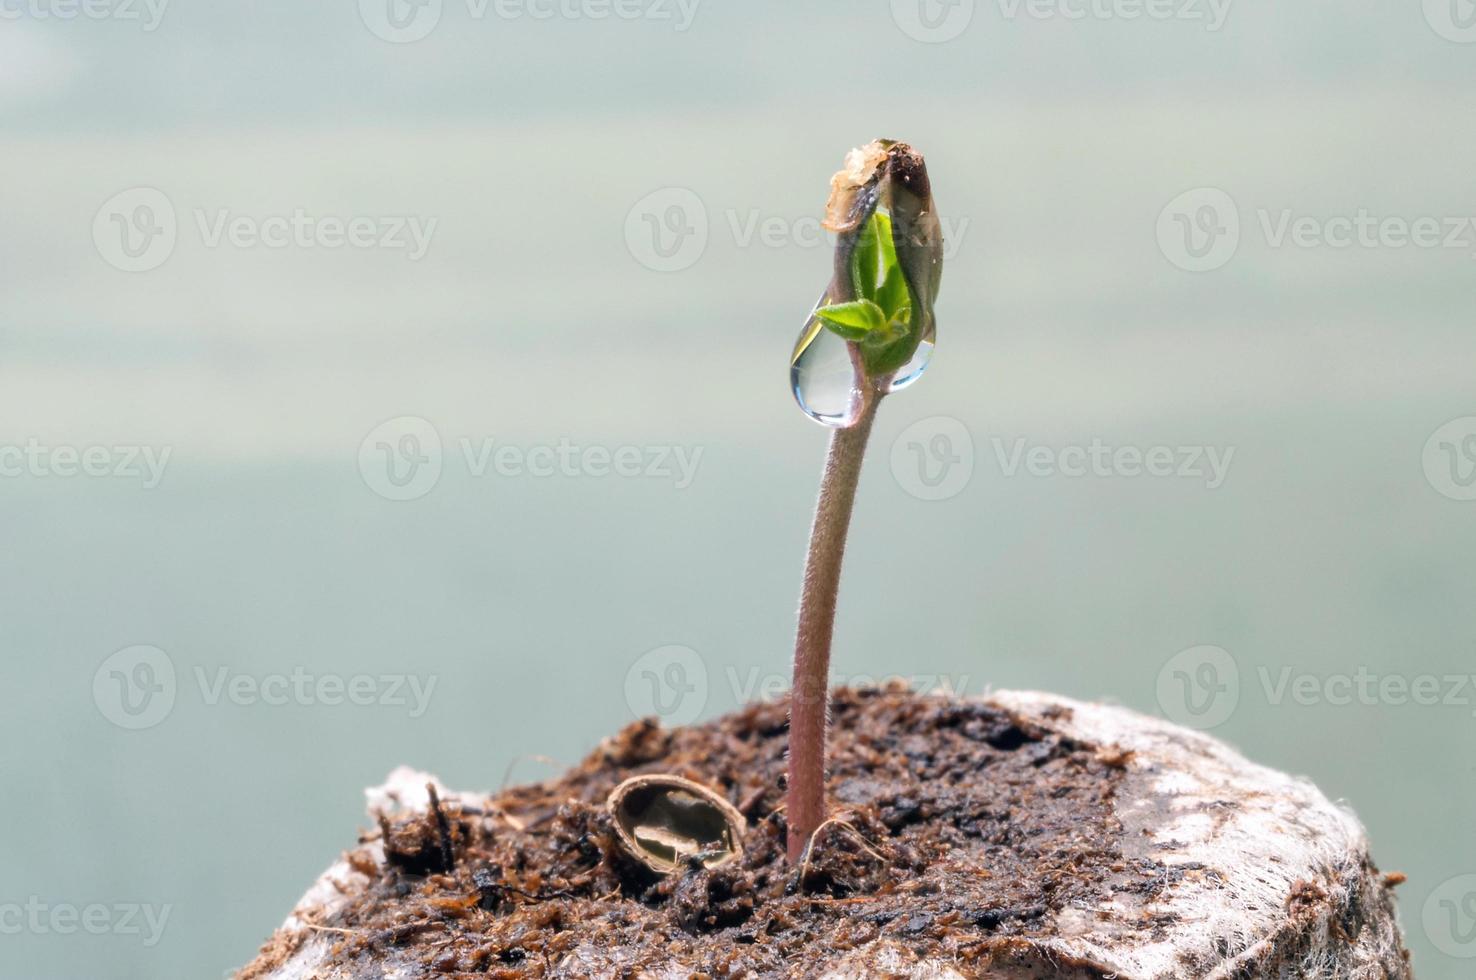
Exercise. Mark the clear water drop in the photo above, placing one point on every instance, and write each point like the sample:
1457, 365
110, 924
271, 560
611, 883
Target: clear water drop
823, 377
913, 369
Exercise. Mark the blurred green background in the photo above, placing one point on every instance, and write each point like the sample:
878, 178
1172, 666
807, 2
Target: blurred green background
624, 244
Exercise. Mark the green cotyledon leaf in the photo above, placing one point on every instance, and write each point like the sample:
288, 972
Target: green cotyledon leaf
855, 320
880, 322
891, 293
864, 259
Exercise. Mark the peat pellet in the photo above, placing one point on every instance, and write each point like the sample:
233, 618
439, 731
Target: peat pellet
1020, 836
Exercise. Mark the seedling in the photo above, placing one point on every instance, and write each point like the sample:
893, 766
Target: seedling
871, 334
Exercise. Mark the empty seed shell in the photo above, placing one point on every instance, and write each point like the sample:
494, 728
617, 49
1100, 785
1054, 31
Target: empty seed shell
664, 822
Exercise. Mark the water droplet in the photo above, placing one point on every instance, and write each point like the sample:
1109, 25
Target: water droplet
913, 369
823, 377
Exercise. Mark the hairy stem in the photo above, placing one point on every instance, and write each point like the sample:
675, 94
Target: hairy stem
809, 695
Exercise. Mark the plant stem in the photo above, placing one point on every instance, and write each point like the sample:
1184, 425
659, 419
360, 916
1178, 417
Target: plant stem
809, 695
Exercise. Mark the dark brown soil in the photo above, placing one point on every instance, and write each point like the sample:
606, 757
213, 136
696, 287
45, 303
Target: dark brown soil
960, 829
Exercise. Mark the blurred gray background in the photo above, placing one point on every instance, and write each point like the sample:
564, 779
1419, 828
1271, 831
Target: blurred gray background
1178, 232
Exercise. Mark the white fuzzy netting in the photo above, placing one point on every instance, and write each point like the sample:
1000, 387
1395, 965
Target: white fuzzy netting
1280, 886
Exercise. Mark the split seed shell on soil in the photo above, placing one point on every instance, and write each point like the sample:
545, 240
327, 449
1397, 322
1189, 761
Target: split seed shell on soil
664, 822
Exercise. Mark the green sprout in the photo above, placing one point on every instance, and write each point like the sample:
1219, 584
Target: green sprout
887, 267
880, 322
